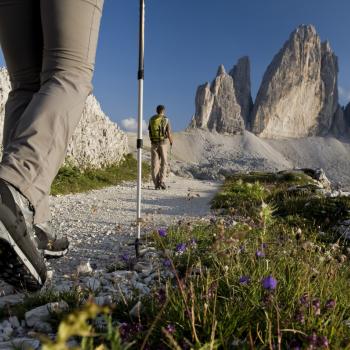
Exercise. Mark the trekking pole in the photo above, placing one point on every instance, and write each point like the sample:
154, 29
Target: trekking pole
139, 143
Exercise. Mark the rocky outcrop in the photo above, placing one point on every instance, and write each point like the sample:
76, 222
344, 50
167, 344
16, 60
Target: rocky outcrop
96, 142
329, 84
204, 105
298, 96
225, 116
242, 87
339, 125
224, 106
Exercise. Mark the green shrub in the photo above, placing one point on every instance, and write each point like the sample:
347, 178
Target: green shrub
71, 179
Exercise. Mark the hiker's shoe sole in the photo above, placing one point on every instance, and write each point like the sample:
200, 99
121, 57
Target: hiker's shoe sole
54, 254
15, 266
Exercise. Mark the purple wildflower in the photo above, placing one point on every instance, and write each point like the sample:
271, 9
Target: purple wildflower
323, 342
312, 339
269, 283
180, 248
263, 246
299, 317
124, 330
161, 296
241, 249
244, 280
330, 304
170, 328
304, 300
166, 263
295, 344
259, 254
162, 232
316, 305
125, 257
128, 330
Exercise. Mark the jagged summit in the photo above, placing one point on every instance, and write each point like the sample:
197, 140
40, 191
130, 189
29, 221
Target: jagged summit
221, 70
224, 106
298, 96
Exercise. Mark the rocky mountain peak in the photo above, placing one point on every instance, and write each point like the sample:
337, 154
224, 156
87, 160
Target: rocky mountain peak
241, 80
304, 32
224, 106
298, 96
221, 70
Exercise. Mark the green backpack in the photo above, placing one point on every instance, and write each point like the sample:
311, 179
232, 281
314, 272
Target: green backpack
157, 128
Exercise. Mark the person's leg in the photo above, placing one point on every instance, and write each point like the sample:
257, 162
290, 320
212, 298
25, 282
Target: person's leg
22, 44
31, 161
21, 264
155, 165
163, 150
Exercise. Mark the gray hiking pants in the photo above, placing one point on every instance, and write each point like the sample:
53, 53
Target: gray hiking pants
159, 161
49, 48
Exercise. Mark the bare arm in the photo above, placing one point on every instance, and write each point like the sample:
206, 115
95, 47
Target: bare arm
169, 134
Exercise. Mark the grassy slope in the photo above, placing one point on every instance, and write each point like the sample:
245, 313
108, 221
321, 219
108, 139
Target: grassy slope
72, 180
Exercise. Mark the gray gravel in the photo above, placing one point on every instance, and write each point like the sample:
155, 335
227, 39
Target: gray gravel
101, 224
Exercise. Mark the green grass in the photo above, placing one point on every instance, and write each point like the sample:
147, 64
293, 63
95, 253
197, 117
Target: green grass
71, 179
207, 305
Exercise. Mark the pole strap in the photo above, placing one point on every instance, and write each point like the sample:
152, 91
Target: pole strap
139, 143
141, 74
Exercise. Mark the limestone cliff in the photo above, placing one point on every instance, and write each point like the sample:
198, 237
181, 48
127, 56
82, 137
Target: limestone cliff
225, 105
298, 96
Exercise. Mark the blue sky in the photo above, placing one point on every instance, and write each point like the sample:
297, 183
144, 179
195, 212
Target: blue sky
186, 40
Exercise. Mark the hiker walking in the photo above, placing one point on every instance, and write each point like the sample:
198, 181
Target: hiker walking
159, 133
49, 48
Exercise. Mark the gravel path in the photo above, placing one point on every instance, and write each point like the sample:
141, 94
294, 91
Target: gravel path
101, 227
100, 224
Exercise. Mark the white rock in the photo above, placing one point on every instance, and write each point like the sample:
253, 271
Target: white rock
93, 283
21, 343
103, 300
42, 313
14, 322
141, 287
84, 268
136, 311
11, 300
43, 327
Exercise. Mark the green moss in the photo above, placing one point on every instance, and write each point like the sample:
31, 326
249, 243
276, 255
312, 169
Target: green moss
70, 179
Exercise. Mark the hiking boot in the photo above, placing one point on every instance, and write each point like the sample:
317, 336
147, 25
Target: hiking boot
21, 263
52, 245
162, 186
